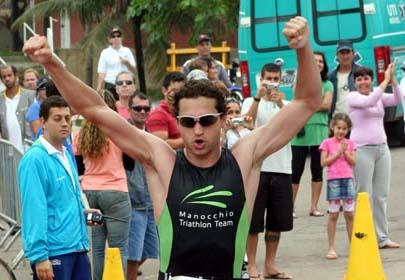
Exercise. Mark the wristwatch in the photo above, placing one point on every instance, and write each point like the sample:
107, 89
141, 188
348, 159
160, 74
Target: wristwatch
257, 99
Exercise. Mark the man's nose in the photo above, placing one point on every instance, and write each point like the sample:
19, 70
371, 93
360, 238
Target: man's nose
198, 129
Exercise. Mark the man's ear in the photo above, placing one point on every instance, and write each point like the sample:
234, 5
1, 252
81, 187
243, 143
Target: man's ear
223, 120
163, 90
43, 121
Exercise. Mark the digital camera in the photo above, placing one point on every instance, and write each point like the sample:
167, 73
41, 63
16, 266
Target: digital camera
238, 121
271, 86
94, 217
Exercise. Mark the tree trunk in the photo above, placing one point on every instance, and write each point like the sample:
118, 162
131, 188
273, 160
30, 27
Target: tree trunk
89, 59
15, 13
136, 21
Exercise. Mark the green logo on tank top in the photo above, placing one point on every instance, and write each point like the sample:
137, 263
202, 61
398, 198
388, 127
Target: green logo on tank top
200, 196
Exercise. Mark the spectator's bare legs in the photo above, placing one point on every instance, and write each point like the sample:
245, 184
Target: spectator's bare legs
349, 223
251, 250
133, 268
295, 188
333, 217
315, 194
271, 239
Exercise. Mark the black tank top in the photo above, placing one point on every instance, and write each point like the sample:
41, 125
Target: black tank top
204, 225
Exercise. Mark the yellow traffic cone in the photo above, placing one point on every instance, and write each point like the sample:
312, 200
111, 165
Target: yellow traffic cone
113, 265
364, 259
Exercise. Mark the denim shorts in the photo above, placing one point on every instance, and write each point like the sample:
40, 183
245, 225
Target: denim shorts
143, 240
340, 189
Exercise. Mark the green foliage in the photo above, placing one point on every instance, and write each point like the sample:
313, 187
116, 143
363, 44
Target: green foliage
89, 11
160, 17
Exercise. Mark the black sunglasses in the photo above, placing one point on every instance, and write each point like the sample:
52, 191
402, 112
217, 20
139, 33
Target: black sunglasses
116, 36
204, 120
126, 82
140, 108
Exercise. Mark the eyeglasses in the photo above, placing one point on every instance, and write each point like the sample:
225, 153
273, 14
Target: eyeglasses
140, 108
204, 120
116, 36
124, 82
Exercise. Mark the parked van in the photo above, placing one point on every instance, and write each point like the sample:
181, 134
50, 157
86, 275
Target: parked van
376, 28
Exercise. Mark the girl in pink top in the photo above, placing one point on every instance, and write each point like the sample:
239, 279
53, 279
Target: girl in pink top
338, 154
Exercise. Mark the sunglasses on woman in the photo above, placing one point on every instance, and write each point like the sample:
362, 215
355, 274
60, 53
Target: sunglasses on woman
124, 82
203, 120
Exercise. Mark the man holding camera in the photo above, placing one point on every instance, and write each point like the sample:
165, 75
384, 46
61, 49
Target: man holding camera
274, 193
54, 231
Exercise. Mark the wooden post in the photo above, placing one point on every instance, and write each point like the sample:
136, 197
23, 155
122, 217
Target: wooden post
224, 57
173, 57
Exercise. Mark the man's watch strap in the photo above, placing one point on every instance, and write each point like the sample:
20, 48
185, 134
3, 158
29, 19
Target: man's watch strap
257, 99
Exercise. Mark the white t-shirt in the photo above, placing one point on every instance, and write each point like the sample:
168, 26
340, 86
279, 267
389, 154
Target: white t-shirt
110, 62
13, 127
232, 137
342, 92
280, 161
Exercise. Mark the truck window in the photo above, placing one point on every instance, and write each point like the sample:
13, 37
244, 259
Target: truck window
268, 20
338, 20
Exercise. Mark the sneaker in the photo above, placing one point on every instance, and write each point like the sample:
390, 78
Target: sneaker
294, 215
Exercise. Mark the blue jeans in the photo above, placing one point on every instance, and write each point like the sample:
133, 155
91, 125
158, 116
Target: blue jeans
113, 204
143, 238
73, 266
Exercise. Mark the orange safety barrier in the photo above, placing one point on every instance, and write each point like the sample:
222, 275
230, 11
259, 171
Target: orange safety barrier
224, 50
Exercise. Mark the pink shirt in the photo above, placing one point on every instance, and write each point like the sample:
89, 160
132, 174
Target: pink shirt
367, 115
340, 168
123, 111
105, 172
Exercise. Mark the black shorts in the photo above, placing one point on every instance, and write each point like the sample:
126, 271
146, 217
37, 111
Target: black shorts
274, 195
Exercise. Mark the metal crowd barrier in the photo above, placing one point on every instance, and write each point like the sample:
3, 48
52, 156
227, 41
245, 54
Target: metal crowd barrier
10, 204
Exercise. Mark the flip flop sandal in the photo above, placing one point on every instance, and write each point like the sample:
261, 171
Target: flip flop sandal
278, 275
331, 256
256, 277
316, 213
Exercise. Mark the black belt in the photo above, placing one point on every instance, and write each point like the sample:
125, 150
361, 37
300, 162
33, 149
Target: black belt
167, 275
374, 145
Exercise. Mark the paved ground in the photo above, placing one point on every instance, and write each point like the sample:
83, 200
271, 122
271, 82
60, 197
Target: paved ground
302, 251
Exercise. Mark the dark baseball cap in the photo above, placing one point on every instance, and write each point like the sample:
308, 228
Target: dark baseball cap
41, 83
344, 45
115, 30
203, 38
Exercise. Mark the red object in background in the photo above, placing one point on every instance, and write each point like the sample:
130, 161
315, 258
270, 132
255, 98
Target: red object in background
244, 73
382, 59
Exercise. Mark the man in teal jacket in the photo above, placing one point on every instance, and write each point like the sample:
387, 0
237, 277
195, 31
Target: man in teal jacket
54, 231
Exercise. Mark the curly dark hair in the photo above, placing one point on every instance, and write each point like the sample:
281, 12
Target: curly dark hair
199, 88
55, 101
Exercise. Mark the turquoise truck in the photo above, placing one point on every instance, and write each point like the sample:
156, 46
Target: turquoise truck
376, 28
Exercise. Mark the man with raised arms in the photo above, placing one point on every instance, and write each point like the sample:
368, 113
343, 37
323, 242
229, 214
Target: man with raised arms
202, 195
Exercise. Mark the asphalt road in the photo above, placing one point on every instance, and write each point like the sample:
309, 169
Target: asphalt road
302, 251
